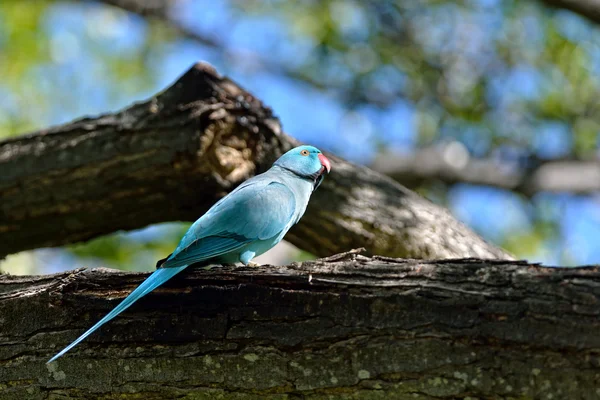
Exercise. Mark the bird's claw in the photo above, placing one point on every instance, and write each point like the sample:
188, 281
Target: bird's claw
253, 264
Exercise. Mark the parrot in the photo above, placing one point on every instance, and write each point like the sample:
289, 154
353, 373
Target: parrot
247, 222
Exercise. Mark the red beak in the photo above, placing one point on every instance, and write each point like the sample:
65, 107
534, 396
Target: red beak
325, 162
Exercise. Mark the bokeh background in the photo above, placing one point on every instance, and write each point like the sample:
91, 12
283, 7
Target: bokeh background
502, 93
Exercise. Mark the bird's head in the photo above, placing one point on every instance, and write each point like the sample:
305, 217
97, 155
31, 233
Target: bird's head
306, 162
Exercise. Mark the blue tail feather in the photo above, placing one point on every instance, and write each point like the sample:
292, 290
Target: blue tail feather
159, 277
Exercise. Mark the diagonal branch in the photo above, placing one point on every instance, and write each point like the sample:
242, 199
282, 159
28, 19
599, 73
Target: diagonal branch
173, 156
413, 170
589, 9
161, 10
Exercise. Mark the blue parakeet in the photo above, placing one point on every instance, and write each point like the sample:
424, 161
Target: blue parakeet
244, 224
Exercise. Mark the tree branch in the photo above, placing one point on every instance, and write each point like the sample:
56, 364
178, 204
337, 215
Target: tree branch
173, 156
589, 9
450, 164
161, 10
582, 177
348, 326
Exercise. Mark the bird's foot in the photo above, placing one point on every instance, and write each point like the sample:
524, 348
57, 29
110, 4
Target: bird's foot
253, 264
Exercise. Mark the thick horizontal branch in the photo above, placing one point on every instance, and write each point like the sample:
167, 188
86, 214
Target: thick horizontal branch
349, 327
173, 156
451, 164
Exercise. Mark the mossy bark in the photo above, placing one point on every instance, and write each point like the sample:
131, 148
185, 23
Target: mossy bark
347, 327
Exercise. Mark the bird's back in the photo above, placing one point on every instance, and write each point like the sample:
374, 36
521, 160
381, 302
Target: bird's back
259, 212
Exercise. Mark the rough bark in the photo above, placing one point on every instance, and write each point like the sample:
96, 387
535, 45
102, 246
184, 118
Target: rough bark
347, 327
171, 157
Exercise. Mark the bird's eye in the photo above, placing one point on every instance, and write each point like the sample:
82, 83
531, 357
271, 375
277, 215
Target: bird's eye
304, 152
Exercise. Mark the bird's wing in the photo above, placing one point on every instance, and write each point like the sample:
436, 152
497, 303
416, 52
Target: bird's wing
255, 212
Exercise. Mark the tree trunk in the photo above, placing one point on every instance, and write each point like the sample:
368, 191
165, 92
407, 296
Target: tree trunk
347, 327
173, 156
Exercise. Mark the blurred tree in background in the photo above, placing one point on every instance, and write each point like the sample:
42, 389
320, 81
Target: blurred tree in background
489, 107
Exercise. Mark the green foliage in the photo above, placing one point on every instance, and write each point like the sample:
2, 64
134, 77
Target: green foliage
38, 49
23, 47
129, 251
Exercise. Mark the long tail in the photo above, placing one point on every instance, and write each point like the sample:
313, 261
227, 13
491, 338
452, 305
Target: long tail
159, 277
